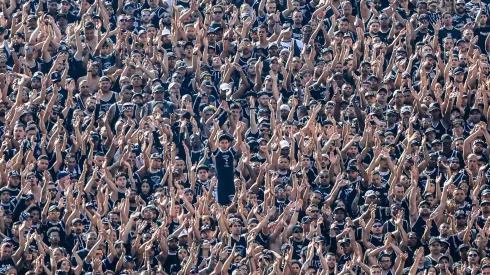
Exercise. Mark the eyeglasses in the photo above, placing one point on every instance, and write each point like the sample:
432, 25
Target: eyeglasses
472, 255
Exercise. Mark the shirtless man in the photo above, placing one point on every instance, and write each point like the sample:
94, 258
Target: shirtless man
92, 77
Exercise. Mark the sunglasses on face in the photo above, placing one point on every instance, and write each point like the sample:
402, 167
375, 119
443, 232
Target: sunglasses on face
122, 20
146, 15
29, 50
218, 12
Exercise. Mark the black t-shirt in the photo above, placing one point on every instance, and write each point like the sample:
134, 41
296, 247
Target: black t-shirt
6, 264
297, 247
454, 34
172, 259
482, 33
420, 225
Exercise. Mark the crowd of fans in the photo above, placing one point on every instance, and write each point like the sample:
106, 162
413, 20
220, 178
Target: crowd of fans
176, 137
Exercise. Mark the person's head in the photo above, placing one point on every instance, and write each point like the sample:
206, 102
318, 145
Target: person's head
375, 270
64, 265
374, 27
370, 197
473, 256
235, 226
435, 246
217, 13
207, 232
412, 239
339, 213
54, 236
385, 262
447, 19
105, 84
485, 270
6, 251
89, 31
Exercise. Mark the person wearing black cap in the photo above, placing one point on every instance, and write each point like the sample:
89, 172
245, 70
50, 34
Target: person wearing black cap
225, 156
158, 95
75, 234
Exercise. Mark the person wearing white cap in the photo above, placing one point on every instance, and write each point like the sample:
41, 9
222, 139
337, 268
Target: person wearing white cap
284, 109
183, 236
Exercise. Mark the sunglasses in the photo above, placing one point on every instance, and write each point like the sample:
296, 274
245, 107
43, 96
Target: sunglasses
472, 255
146, 15
377, 226
218, 12
123, 20
29, 50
